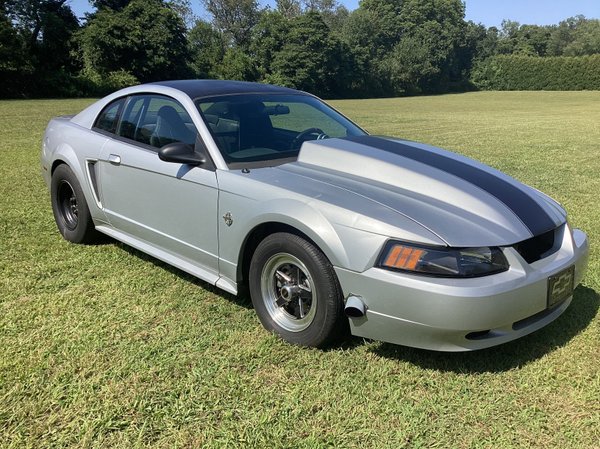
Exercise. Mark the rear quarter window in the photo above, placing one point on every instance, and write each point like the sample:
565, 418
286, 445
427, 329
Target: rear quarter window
109, 117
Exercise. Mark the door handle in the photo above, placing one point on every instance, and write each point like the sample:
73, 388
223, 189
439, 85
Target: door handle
114, 159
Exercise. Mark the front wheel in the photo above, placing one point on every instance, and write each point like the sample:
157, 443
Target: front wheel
295, 291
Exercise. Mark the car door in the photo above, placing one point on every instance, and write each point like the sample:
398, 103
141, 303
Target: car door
170, 206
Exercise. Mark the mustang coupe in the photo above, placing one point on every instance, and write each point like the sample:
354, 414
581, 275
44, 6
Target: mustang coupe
332, 229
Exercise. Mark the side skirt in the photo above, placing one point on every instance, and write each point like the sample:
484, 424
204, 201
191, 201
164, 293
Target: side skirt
167, 257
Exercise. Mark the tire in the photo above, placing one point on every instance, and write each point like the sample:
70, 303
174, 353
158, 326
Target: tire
70, 208
295, 291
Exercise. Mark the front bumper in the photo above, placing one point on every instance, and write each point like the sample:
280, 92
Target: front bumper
463, 314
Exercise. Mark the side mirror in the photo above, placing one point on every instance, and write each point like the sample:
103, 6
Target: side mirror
181, 153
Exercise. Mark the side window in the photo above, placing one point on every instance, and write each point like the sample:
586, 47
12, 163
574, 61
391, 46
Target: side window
108, 118
157, 121
129, 126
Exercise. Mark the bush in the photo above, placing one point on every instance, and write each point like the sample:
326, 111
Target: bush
59, 84
93, 84
517, 72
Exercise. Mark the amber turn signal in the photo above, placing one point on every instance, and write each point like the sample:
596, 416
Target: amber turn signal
403, 257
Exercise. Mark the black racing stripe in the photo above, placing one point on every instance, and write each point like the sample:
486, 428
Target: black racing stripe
524, 206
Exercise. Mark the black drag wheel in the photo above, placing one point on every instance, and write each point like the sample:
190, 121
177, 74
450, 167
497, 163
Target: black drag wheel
295, 291
70, 209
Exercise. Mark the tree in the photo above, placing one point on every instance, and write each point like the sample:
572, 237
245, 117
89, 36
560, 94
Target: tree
289, 8
11, 46
237, 65
527, 40
320, 5
310, 58
409, 45
234, 18
385, 23
115, 5
268, 38
206, 48
477, 43
184, 10
14, 64
146, 38
38, 21
336, 18
575, 36
361, 34
486, 39
427, 56
43, 44
410, 62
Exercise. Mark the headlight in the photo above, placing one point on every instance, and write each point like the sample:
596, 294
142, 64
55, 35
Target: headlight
443, 262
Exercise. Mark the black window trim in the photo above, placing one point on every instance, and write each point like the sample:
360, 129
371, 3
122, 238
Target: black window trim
199, 147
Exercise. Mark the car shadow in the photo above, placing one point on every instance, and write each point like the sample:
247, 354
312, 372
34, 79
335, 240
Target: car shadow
99, 240
242, 299
515, 354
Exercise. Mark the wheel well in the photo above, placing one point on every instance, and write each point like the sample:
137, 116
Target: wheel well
55, 164
257, 235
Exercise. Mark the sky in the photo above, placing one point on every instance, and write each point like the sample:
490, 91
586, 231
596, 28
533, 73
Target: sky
487, 12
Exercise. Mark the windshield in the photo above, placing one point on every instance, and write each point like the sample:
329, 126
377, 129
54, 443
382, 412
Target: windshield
263, 130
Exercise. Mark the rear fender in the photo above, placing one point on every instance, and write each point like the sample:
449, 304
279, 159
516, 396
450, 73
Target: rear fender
65, 154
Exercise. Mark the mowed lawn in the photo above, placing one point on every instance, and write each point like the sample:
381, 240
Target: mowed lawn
101, 346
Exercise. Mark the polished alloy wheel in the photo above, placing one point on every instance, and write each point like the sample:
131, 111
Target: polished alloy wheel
287, 291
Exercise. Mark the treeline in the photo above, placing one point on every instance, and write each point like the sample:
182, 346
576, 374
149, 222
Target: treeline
531, 57
383, 48
519, 72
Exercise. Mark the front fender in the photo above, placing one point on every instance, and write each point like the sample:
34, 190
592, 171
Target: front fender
344, 246
307, 220
248, 214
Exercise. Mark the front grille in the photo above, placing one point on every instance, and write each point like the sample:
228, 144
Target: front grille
538, 247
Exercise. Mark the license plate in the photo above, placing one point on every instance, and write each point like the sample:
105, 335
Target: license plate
560, 286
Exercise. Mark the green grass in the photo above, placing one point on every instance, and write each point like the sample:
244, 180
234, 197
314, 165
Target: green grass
101, 346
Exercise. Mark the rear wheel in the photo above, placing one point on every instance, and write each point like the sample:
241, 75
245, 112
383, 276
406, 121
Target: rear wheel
70, 208
295, 291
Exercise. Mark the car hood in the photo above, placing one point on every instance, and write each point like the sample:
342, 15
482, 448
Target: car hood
462, 202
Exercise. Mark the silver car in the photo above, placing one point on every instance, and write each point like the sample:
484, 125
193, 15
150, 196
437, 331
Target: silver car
331, 229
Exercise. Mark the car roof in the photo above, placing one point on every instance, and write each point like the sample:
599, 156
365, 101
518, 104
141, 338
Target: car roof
208, 88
